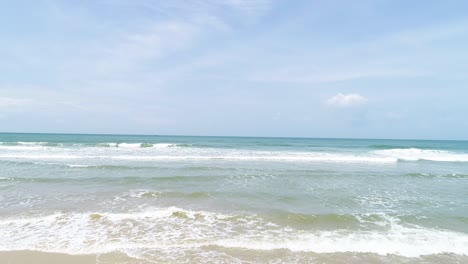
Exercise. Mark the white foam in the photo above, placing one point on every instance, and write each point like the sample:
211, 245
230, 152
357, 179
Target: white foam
44, 157
308, 158
23, 145
136, 145
163, 145
26, 147
39, 145
107, 144
31, 143
88, 233
407, 242
176, 228
168, 152
129, 145
145, 145
414, 154
77, 166
141, 193
176, 156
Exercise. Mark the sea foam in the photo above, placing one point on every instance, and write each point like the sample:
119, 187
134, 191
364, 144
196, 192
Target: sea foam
415, 154
171, 152
180, 229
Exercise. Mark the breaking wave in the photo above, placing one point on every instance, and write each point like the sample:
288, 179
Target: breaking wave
180, 229
38, 145
174, 152
415, 154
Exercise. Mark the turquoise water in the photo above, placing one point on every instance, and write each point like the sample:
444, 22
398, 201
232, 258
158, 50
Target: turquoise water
229, 199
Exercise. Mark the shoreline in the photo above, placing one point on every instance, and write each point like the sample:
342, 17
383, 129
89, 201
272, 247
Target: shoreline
41, 257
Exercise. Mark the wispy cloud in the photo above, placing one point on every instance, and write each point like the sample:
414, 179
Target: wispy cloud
158, 40
424, 35
390, 55
129, 50
299, 76
8, 102
346, 100
250, 6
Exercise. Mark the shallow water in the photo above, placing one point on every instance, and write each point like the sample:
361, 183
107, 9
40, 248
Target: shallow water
167, 199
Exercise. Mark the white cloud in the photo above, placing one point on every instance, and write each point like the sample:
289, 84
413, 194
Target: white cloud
346, 100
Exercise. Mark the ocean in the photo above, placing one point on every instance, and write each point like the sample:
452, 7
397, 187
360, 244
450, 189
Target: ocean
183, 199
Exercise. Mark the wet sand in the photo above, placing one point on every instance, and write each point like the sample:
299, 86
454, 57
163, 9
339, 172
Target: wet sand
37, 257
278, 256
28, 257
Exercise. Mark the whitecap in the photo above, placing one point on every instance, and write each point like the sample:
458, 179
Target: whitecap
415, 154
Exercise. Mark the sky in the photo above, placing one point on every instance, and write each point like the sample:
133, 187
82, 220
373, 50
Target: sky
352, 69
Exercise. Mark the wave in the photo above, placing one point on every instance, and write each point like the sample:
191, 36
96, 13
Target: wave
385, 156
109, 180
180, 152
134, 145
146, 194
32, 143
134, 167
6, 179
383, 146
432, 175
20, 147
108, 145
297, 158
407, 242
180, 229
40, 145
415, 154
310, 158
77, 166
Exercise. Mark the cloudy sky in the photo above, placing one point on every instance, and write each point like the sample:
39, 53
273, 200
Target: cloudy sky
366, 69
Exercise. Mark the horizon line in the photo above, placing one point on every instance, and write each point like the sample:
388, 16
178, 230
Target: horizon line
231, 136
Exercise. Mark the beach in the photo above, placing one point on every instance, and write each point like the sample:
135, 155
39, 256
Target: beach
68, 198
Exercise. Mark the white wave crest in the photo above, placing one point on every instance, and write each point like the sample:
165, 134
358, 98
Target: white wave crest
32, 143
163, 145
137, 145
25, 147
414, 154
6, 179
77, 166
284, 158
107, 144
169, 152
129, 145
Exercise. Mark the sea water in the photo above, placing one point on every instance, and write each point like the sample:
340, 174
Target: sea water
180, 199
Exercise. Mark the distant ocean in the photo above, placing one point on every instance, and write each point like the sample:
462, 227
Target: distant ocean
177, 199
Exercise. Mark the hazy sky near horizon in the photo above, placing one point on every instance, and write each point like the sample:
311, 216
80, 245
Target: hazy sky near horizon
372, 69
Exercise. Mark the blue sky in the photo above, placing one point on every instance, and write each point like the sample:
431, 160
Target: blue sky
366, 69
